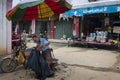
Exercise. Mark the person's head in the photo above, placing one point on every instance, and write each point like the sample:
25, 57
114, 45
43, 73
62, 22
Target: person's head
24, 31
35, 38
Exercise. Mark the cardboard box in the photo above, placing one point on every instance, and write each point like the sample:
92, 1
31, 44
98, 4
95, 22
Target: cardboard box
102, 40
98, 39
91, 39
116, 29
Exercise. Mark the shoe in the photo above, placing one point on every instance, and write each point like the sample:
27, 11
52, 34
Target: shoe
39, 78
51, 74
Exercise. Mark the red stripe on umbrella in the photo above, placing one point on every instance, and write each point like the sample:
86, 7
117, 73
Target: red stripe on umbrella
57, 8
42, 9
31, 13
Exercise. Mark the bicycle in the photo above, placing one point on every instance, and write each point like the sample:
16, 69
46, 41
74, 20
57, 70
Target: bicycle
10, 63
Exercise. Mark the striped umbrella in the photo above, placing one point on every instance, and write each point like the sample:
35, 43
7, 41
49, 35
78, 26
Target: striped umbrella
37, 9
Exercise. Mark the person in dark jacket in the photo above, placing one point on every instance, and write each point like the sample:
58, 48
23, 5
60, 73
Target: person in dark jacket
46, 50
38, 64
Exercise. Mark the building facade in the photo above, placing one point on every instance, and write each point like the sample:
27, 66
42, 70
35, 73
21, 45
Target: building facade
102, 11
93, 16
55, 29
5, 27
59, 27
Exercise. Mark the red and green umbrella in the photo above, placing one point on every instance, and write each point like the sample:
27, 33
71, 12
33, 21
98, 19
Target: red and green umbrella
37, 9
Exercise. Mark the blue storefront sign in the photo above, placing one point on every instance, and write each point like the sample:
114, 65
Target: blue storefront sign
112, 9
70, 12
94, 10
118, 8
74, 12
78, 13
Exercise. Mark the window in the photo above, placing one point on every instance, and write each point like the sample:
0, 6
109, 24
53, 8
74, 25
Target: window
92, 0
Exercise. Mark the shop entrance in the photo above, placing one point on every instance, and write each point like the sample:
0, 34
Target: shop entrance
63, 28
41, 28
92, 23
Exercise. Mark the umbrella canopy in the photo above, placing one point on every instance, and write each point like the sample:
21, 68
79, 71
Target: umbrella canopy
41, 9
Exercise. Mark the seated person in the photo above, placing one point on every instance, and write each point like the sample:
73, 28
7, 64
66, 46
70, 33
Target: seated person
46, 50
38, 64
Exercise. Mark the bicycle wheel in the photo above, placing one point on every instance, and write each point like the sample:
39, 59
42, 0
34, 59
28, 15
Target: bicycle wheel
8, 65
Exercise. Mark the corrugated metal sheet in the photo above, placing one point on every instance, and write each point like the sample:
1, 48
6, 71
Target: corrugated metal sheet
45, 26
63, 28
37, 28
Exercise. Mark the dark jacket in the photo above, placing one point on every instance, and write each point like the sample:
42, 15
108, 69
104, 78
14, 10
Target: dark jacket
38, 64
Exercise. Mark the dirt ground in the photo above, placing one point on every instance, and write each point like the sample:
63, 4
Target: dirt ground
76, 63
21, 74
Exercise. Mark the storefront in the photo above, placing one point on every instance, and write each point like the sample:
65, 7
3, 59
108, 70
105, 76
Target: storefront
41, 27
56, 29
63, 29
98, 24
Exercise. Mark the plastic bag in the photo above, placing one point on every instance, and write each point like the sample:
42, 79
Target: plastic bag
21, 58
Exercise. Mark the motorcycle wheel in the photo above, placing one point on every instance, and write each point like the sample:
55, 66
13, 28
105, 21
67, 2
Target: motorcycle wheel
8, 65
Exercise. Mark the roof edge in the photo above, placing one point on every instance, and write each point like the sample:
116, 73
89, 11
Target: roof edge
96, 4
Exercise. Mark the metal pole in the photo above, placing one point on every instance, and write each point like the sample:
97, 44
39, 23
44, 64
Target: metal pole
81, 28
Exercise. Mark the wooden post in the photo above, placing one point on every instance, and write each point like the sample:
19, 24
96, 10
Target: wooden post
33, 26
51, 29
76, 26
81, 26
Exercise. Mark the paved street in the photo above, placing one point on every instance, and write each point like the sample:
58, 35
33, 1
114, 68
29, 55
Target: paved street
90, 64
77, 64
87, 56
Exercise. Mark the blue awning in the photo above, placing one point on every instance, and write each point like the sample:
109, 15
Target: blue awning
78, 13
94, 10
112, 9
74, 12
70, 12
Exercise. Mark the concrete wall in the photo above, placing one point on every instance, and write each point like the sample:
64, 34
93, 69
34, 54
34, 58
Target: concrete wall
106, 0
85, 4
76, 2
5, 28
81, 2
